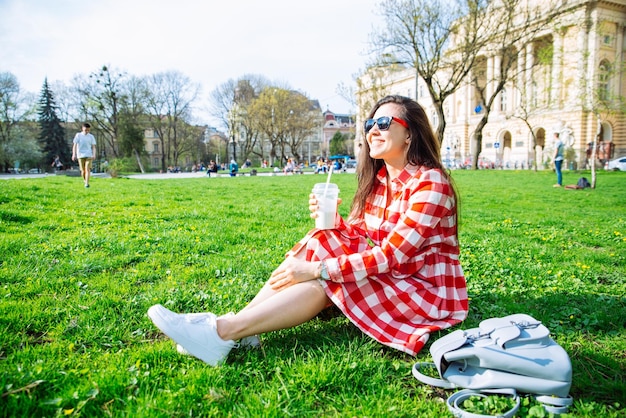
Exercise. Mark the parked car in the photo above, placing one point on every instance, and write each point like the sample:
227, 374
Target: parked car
618, 164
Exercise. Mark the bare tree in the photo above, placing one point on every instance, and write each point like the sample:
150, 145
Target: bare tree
440, 39
229, 105
516, 24
526, 113
601, 96
531, 104
169, 99
102, 98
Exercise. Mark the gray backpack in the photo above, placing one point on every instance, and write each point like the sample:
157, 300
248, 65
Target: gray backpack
502, 356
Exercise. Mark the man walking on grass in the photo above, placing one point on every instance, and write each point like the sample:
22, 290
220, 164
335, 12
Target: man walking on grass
84, 149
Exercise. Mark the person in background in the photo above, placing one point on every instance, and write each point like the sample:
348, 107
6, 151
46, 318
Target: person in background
57, 164
392, 268
289, 167
321, 166
84, 149
234, 168
211, 168
558, 159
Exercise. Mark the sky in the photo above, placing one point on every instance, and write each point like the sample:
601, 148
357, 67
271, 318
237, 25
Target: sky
310, 46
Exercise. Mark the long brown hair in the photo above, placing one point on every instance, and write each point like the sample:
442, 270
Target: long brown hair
423, 150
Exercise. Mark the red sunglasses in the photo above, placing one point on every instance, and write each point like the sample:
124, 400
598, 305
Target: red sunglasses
383, 123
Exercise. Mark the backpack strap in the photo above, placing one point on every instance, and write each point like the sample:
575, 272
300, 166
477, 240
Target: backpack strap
455, 402
433, 381
555, 404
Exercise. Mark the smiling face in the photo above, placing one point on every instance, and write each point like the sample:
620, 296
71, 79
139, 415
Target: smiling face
390, 145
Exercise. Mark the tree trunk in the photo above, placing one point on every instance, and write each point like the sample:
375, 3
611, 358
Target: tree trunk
478, 134
139, 161
593, 162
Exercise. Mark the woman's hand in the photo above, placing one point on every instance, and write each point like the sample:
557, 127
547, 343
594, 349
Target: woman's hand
292, 271
313, 207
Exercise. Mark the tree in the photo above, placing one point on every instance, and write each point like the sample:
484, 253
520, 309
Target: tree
531, 106
169, 99
24, 147
51, 132
602, 98
102, 101
131, 120
516, 22
131, 138
440, 39
337, 144
14, 109
286, 118
230, 102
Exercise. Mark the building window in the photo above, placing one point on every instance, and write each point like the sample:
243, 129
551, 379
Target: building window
503, 103
604, 76
155, 146
435, 119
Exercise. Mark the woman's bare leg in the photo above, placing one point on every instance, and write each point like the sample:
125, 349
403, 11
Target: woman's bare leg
271, 311
266, 291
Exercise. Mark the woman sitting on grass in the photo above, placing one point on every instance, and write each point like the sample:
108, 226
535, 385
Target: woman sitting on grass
392, 268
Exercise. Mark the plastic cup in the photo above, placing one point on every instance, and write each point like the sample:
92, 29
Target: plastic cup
326, 195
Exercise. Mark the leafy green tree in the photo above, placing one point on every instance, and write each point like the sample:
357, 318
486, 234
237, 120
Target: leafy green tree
51, 132
132, 120
14, 110
286, 118
24, 147
337, 144
130, 138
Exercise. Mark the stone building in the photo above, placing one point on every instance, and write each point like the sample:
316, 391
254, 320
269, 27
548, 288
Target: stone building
568, 93
334, 122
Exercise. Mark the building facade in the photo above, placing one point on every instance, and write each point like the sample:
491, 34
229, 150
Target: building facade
333, 123
577, 91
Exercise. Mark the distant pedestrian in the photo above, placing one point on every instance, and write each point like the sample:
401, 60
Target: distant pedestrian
234, 168
558, 159
212, 168
84, 150
57, 164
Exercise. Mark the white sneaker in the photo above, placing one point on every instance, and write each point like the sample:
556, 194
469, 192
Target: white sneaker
196, 333
252, 341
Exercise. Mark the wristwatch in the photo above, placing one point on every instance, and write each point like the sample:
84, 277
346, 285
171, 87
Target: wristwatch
324, 271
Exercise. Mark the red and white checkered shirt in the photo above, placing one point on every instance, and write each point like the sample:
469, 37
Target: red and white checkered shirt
395, 273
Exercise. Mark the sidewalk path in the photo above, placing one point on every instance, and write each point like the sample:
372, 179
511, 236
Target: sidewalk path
154, 176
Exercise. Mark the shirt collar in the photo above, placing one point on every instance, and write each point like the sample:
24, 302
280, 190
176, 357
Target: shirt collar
405, 175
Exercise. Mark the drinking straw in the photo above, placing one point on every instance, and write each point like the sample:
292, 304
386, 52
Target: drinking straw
328, 180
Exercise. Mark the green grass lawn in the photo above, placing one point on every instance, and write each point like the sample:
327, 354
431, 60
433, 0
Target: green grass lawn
80, 267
